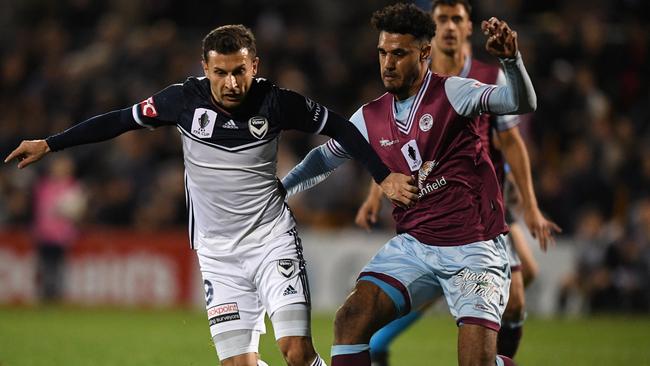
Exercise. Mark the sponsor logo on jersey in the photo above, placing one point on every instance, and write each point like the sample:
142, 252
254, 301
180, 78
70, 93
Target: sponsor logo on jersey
386, 142
411, 154
209, 291
258, 126
286, 267
426, 121
231, 125
424, 172
203, 122
289, 291
223, 313
481, 284
148, 108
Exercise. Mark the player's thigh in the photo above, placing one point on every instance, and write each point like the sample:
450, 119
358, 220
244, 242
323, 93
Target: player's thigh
281, 278
401, 271
232, 302
476, 281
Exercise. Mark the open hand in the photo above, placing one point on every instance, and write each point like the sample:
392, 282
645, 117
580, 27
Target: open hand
501, 41
28, 152
541, 228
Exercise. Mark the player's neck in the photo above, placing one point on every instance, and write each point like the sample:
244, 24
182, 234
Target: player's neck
447, 64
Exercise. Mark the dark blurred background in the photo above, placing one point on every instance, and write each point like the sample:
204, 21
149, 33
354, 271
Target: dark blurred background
64, 61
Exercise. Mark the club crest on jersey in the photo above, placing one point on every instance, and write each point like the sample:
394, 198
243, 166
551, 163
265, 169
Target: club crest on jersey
286, 267
258, 126
412, 155
426, 121
203, 122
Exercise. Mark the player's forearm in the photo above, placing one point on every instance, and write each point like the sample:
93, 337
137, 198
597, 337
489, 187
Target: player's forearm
313, 169
518, 96
356, 145
375, 192
95, 129
516, 155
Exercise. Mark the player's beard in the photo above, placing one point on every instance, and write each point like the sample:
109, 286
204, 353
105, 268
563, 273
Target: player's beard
402, 90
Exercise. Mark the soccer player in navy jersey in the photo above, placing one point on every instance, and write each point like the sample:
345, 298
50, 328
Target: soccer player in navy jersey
451, 56
451, 241
239, 224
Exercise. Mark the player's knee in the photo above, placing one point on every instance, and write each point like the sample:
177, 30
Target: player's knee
297, 351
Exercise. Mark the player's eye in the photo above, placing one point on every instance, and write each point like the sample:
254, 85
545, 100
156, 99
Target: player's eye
220, 72
457, 19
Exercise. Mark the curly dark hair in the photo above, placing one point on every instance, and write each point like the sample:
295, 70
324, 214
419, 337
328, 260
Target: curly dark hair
404, 19
464, 3
229, 39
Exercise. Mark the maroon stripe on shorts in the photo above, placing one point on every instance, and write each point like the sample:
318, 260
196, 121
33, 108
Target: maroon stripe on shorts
354, 359
478, 321
516, 268
393, 282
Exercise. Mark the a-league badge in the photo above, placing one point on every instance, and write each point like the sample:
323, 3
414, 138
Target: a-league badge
203, 122
412, 155
258, 126
426, 121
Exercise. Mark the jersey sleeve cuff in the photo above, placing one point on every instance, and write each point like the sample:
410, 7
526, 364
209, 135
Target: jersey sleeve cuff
136, 118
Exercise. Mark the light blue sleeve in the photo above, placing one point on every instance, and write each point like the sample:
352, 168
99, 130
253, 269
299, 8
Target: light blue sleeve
506, 121
313, 169
321, 161
470, 98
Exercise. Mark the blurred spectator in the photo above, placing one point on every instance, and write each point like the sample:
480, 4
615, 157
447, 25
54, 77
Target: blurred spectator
59, 204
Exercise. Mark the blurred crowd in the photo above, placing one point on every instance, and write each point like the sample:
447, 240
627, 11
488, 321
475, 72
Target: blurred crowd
65, 61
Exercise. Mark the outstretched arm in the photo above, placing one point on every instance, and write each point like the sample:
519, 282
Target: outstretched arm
99, 128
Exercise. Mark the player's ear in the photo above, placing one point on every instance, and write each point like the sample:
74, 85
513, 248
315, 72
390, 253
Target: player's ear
256, 62
205, 67
425, 51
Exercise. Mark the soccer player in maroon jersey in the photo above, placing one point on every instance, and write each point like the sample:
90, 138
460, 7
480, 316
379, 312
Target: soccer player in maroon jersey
451, 240
451, 56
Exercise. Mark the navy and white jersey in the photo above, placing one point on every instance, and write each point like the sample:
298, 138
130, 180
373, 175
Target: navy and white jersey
233, 195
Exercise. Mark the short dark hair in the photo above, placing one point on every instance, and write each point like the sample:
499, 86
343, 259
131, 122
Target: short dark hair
229, 39
404, 19
464, 3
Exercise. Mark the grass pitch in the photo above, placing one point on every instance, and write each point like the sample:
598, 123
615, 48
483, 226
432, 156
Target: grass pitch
101, 337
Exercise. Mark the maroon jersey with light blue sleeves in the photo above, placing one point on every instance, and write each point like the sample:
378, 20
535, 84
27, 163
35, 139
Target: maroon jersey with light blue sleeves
460, 200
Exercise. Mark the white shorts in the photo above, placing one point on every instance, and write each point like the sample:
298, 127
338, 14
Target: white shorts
242, 285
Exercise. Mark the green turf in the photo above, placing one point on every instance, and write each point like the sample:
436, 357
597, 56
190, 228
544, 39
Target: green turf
75, 337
